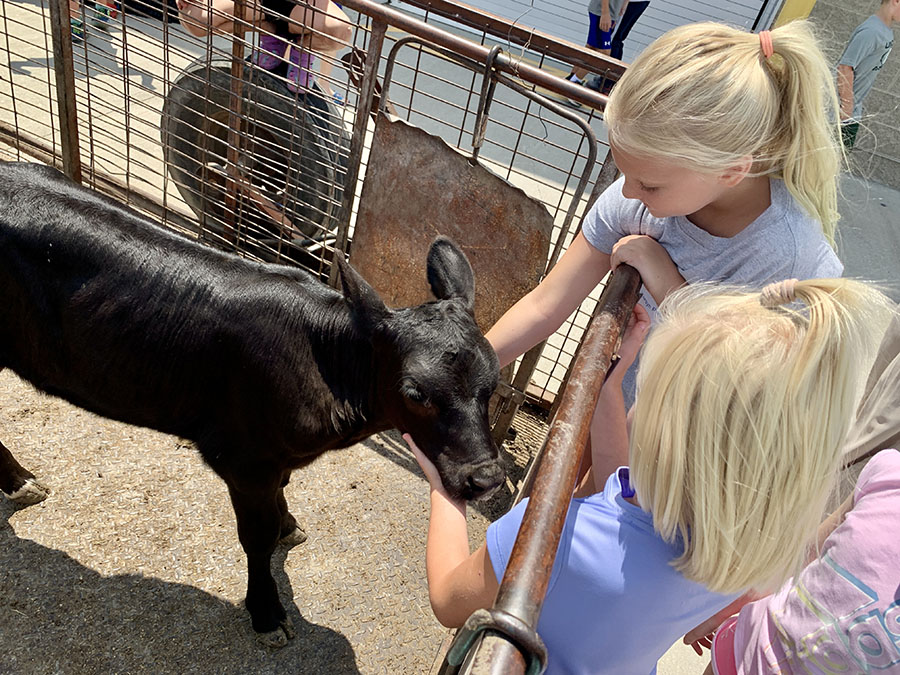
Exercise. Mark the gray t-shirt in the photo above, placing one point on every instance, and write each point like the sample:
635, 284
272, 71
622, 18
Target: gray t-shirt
615, 8
868, 49
784, 242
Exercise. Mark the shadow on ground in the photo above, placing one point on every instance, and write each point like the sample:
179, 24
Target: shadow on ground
63, 617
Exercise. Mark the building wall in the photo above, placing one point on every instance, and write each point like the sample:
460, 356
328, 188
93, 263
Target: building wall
877, 152
794, 9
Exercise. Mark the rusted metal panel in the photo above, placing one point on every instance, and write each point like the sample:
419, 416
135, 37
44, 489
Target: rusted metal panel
418, 187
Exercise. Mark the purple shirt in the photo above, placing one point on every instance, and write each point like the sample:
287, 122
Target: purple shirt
614, 604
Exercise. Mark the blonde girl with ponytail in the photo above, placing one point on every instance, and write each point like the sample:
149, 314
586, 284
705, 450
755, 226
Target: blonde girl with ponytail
745, 400
743, 405
728, 143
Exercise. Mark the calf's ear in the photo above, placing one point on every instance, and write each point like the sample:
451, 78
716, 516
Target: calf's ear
450, 273
363, 299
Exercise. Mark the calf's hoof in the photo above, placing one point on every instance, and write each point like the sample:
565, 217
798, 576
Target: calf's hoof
31, 492
298, 536
278, 638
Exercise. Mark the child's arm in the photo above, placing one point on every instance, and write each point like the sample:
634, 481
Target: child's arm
539, 313
458, 583
658, 273
198, 17
605, 16
845, 76
326, 26
702, 635
610, 425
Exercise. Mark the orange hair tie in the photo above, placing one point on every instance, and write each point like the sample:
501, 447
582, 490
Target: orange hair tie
765, 41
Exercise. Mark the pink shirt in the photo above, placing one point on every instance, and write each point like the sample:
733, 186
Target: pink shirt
843, 615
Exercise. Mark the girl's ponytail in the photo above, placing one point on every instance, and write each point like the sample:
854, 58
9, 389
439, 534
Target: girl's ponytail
805, 149
706, 96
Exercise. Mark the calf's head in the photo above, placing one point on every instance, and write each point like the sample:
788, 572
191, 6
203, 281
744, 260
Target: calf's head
436, 370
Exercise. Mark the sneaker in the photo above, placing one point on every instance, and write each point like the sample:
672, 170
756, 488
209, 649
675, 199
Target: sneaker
271, 51
574, 79
298, 74
77, 27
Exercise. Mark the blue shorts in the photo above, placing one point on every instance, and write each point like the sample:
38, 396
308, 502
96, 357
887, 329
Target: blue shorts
599, 39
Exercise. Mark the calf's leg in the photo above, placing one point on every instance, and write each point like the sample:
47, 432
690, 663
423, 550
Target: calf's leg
259, 521
17, 482
291, 534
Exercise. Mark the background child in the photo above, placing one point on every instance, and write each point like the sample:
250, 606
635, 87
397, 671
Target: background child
313, 26
728, 142
97, 13
862, 60
841, 613
602, 17
730, 473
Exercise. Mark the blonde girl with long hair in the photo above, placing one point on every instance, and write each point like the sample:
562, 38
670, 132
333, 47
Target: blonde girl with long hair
743, 405
728, 146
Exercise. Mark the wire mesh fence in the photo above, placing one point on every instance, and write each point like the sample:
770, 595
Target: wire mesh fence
264, 150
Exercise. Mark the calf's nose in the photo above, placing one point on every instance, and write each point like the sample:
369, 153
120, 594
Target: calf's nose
484, 479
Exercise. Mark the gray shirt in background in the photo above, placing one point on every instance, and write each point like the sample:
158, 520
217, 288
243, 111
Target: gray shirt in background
784, 242
615, 8
866, 53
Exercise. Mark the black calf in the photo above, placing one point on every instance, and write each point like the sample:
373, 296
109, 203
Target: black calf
261, 365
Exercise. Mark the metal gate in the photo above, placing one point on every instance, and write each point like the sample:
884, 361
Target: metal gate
185, 130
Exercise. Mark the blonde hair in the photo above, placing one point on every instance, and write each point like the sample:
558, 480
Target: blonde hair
740, 418
704, 95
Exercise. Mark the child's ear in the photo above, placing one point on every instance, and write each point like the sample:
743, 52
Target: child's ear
736, 173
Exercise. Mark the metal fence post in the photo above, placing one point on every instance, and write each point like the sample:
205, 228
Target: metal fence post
64, 67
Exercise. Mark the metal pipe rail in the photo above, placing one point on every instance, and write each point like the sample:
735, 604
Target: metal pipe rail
512, 32
504, 63
509, 643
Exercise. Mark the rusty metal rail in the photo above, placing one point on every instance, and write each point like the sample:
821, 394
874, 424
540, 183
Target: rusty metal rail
515, 33
512, 66
509, 643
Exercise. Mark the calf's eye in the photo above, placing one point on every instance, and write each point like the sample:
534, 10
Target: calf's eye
413, 394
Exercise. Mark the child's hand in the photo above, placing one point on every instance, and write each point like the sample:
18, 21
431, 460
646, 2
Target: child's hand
430, 471
699, 644
635, 332
632, 339
651, 260
702, 635
605, 20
